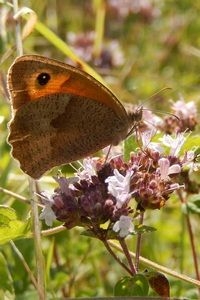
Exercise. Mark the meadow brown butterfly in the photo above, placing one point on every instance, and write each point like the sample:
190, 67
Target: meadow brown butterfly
60, 114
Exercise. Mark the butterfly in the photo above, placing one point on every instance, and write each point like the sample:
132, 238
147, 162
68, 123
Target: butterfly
60, 114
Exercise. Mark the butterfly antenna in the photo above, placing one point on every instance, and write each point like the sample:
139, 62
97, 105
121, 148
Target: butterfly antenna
159, 92
162, 113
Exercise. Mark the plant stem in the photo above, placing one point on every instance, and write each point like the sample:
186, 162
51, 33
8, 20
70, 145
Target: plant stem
17, 29
138, 243
34, 207
14, 195
158, 267
191, 236
128, 257
20, 256
100, 8
37, 241
115, 256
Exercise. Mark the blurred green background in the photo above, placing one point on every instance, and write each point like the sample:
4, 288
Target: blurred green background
139, 48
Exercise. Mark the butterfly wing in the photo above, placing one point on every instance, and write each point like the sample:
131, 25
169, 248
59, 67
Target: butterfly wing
53, 125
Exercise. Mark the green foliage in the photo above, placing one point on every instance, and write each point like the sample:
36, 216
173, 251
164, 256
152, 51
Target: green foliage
132, 286
193, 205
144, 229
10, 226
129, 145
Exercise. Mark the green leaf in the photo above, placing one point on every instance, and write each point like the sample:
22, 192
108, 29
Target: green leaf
130, 144
10, 227
193, 205
132, 286
143, 229
191, 142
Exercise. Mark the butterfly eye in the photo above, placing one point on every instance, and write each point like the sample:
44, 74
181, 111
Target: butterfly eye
43, 78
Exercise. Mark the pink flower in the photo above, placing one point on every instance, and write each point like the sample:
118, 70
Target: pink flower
165, 168
184, 110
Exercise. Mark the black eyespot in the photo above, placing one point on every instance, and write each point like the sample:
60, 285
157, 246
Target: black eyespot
43, 78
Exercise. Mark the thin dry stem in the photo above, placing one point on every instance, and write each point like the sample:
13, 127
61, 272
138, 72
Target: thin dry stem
17, 30
158, 267
20, 256
38, 242
143, 260
34, 206
191, 236
15, 195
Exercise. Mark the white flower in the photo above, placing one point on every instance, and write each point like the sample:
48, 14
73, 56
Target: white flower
174, 143
189, 161
47, 213
124, 226
89, 169
165, 168
119, 186
190, 155
146, 137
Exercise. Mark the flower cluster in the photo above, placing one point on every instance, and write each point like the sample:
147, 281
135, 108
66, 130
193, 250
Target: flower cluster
183, 118
112, 194
145, 9
110, 55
